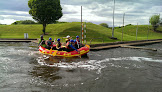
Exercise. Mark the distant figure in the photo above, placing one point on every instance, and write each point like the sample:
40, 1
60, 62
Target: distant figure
77, 42
67, 38
49, 43
42, 42
41, 39
70, 46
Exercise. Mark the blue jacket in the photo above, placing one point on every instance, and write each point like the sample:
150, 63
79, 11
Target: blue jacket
72, 47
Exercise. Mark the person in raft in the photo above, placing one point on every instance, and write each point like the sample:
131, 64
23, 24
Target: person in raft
67, 38
77, 42
58, 45
42, 42
49, 43
70, 46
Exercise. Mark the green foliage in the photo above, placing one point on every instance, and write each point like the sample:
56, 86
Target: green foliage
154, 20
104, 25
159, 28
128, 25
23, 22
45, 11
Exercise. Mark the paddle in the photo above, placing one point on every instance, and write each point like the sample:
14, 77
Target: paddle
51, 50
40, 43
54, 54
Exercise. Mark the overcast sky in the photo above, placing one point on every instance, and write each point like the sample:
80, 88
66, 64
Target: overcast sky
95, 11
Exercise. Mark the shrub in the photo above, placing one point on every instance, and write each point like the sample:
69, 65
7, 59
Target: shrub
104, 25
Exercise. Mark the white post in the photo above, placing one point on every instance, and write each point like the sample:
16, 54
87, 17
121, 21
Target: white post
148, 32
113, 21
136, 31
25, 35
123, 26
81, 28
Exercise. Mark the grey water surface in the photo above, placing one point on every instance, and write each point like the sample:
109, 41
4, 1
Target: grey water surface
24, 69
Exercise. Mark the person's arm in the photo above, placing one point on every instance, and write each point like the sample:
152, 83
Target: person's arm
73, 47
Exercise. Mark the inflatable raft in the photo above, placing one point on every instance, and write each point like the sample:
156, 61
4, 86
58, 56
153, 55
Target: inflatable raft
83, 50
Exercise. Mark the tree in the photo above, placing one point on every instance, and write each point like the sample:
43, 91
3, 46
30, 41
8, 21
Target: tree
104, 25
154, 20
45, 11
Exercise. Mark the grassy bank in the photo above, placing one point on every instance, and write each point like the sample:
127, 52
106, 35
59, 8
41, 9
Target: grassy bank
73, 29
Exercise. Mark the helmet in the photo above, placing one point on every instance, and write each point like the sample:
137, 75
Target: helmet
58, 39
71, 40
50, 38
67, 36
41, 36
77, 36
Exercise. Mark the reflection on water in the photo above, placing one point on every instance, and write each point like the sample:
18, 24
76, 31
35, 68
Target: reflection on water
46, 73
24, 69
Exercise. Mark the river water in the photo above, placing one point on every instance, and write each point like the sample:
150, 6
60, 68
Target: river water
24, 69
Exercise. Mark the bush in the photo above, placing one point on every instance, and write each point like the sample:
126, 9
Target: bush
28, 22
154, 20
128, 25
24, 22
104, 25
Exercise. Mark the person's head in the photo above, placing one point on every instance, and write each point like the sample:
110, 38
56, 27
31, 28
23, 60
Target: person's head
68, 37
41, 36
50, 39
58, 39
71, 41
77, 37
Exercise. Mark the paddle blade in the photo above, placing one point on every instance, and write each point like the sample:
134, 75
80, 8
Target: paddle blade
54, 54
51, 51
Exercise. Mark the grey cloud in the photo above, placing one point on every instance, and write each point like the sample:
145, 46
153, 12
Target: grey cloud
16, 5
134, 9
14, 14
15, 17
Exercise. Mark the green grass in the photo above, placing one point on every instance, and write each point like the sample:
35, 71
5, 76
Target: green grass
159, 28
74, 28
129, 33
